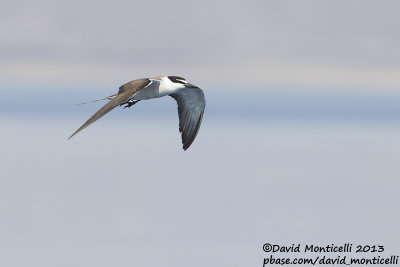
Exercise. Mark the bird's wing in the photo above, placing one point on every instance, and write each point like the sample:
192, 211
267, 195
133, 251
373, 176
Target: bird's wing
129, 90
191, 105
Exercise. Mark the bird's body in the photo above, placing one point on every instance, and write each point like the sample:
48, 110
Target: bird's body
190, 99
158, 87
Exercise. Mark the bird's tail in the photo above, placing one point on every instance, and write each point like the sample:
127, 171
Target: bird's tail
101, 99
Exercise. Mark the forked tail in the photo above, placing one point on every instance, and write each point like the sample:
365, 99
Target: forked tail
101, 99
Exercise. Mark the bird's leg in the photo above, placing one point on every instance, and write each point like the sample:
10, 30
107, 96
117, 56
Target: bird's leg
130, 103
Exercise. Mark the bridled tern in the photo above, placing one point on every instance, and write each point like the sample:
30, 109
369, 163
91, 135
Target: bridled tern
189, 97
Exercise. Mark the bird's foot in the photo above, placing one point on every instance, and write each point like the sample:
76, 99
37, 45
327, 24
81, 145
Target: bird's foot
130, 103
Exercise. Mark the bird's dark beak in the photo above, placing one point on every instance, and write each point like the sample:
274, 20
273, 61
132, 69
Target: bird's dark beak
189, 85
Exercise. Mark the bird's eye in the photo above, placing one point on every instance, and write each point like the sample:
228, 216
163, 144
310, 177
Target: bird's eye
177, 79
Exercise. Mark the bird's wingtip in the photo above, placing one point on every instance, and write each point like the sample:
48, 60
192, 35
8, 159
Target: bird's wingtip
72, 135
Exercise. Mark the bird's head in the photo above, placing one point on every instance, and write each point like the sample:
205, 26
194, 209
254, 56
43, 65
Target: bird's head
180, 82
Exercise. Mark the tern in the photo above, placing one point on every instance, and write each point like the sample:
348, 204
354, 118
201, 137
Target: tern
189, 97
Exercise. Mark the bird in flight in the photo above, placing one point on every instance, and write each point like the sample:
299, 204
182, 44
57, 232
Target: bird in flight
189, 97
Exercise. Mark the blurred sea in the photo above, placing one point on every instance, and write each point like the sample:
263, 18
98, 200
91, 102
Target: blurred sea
273, 167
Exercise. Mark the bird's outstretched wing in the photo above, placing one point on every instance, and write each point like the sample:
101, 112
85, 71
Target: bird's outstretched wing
191, 105
126, 91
